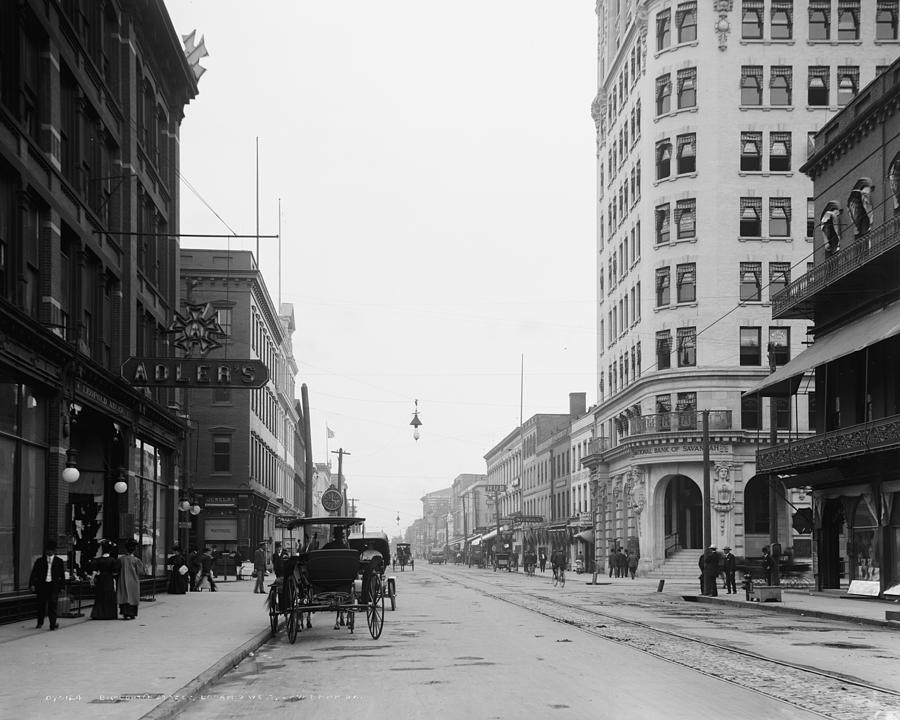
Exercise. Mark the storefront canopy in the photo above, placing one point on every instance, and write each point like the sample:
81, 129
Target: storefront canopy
852, 337
586, 536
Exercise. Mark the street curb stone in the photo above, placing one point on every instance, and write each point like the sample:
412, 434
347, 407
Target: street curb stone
775, 607
174, 704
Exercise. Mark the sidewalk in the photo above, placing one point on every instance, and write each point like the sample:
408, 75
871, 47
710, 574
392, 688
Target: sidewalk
116, 670
827, 605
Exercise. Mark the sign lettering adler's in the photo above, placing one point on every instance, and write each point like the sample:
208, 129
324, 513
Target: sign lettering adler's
187, 372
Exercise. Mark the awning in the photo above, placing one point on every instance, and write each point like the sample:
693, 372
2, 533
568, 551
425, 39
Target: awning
489, 535
852, 337
586, 536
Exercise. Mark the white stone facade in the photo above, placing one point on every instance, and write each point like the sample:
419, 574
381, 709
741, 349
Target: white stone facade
702, 215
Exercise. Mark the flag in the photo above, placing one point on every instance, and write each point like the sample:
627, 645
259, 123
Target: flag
329, 433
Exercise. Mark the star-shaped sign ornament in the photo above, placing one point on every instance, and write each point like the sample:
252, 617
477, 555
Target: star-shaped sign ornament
198, 329
194, 52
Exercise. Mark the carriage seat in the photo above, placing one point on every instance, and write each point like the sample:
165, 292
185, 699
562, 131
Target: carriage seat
332, 570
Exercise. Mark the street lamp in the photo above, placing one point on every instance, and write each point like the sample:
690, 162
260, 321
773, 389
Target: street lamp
70, 473
416, 423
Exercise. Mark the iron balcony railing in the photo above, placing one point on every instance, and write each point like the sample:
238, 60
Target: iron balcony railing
677, 421
873, 436
842, 263
598, 445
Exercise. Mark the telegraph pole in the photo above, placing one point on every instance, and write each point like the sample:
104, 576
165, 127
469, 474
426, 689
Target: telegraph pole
774, 546
707, 501
340, 452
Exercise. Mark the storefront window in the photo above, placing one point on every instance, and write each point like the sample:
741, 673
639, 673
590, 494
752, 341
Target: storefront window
23, 470
149, 506
895, 539
7, 525
865, 551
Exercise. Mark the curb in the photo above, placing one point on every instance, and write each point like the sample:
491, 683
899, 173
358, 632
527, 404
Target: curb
776, 607
187, 694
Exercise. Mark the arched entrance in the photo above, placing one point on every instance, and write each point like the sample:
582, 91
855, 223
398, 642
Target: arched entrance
683, 510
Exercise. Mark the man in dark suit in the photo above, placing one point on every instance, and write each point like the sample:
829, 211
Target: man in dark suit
48, 576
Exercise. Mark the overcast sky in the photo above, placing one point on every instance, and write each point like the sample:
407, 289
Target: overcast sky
435, 164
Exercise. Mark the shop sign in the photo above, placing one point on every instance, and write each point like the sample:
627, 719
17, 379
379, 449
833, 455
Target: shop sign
184, 524
681, 449
494, 488
528, 519
219, 501
220, 529
195, 373
100, 398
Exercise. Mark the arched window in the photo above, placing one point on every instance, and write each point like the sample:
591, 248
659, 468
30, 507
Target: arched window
894, 180
859, 204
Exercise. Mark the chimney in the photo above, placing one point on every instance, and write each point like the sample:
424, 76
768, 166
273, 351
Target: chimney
577, 404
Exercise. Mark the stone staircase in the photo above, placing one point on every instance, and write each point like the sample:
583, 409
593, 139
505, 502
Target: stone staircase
680, 566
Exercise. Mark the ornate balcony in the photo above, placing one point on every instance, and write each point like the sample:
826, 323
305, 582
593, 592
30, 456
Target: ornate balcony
680, 420
806, 454
597, 446
796, 300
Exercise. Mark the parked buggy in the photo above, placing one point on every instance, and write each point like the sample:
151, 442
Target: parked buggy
326, 580
377, 544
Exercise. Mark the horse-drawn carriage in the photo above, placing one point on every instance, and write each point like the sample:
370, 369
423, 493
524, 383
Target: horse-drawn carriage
334, 578
404, 557
476, 556
375, 550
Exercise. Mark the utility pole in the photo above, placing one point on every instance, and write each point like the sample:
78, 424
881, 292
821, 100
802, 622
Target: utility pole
774, 545
340, 452
707, 502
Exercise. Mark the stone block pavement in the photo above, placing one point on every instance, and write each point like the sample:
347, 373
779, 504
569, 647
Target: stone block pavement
147, 668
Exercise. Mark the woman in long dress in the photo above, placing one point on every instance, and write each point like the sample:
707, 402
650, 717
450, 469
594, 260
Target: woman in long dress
178, 581
105, 568
129, 590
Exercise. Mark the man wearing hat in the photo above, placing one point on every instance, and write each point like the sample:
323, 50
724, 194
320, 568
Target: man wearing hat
259, 567
710, 571
48, 576
729, 565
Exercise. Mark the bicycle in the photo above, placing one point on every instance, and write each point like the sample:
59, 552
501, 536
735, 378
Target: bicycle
559, 576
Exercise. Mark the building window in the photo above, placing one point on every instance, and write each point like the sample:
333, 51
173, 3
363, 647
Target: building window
687, 153
894, 181
221, 395
752, 20
886, 19
662, 224
780, 85
663, 158
221, 448
686, 406
782, 412
751, 217
750, 351
779, 151
859, 205
779, 345
686, 21
779, 217
810, 217
664, 349
751, 281
779, 277
817, 92
686, 218
848, 19
663, 94
782, 19
819, 19
686, 278
751, 151
811, 409
751, 85
663, 284
663, 30
687, 88
750, 413
848, 84
687, 347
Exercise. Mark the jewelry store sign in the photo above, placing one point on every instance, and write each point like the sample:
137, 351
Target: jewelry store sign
680, 449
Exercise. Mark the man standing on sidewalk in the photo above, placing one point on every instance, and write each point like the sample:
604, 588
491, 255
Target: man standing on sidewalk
711, 571
48, 575
729, 566
259, 567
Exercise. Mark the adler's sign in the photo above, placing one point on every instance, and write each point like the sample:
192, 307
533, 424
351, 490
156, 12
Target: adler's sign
194, 373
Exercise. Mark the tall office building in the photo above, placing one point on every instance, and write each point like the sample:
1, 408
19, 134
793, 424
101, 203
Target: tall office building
704, 113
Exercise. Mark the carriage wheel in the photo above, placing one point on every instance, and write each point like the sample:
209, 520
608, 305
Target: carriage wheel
375, 607
293, 625
273, 621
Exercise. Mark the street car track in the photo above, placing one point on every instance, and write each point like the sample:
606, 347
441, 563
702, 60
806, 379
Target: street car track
829, 695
